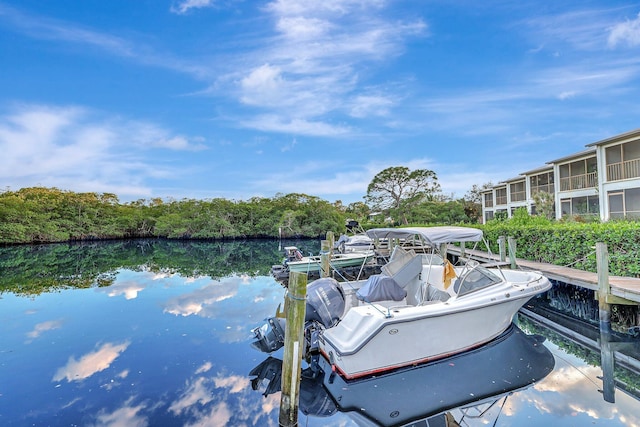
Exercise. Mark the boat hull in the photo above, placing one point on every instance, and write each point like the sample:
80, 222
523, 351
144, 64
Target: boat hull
373, 339
510, 362
314, 264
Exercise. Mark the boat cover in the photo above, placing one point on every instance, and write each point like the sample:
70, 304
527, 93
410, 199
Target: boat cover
381, 288
431, 235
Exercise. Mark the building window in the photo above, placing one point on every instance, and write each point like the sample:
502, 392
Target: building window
488, 216
624, 204
578, 175
517, 191
623, 161
616, 205
488, 200
542, 183
582, 206
501, 196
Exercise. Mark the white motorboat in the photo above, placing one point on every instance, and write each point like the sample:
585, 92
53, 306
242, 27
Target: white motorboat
421, 308
295, 261
355, 243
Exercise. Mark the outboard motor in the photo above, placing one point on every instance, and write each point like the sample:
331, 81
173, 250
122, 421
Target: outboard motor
269, 336
325, 302
325, 305
269, 371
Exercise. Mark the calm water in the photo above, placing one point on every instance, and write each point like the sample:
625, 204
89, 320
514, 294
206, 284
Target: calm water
150, 333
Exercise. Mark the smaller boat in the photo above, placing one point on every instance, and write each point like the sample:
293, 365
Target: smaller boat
297, 262
356, 243
420, 309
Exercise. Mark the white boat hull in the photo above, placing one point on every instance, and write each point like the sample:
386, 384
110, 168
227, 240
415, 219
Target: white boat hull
367, 342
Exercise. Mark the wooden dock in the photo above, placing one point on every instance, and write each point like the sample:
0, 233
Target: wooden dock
625, 288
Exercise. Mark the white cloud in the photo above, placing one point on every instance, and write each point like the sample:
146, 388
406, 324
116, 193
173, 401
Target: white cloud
206, 367
627, 32
197, 392
234, 383
312, 65
127, 415
567, 94
81, 150
184, 6
302, 28
290, 146
199, 301
129, 289
371, 105
44, 327
583, 29
262, 85
44, 28
274, 123
90, 363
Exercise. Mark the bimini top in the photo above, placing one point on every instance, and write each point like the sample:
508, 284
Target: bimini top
431, 235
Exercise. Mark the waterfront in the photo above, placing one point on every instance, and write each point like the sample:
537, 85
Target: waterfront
158, 333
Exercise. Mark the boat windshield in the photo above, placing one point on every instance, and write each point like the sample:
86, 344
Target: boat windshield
475, 279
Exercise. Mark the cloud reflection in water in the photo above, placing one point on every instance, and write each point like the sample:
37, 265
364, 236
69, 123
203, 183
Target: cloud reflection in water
90, 363
44, 327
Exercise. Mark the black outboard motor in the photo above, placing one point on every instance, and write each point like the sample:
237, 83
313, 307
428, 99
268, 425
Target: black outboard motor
325, 306
270, 336
325, 302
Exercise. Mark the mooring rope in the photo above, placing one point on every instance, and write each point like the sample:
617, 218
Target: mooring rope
584, 258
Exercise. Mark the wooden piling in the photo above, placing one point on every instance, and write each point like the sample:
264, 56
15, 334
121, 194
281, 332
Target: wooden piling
604, 288
293, 349
604, 312
501, 248
325, 258
331, 239
326, 251
607, 362
511, 243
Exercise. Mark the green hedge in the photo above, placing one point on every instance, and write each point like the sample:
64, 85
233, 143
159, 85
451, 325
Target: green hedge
572, 243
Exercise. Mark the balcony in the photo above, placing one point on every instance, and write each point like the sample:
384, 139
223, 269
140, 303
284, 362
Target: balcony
623, 170
545, 188
578, 182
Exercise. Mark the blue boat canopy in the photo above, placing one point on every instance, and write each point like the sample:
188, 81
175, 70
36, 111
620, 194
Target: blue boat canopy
430, 235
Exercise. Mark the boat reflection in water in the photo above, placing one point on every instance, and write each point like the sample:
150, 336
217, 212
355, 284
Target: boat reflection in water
467, 388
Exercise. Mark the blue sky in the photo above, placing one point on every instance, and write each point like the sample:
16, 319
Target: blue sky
235, 99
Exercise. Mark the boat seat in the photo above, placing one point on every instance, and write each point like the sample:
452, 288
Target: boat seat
433, 276
404, 270
434, 294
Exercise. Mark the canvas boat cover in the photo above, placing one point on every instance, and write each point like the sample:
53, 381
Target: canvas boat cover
430, 235
380, 288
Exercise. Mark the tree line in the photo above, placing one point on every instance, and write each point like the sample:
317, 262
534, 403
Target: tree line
396, 196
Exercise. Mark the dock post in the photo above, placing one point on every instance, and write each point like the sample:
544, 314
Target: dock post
604, 288
293, 348
501, 248
331, 239
325, 258
607, 362
511, 242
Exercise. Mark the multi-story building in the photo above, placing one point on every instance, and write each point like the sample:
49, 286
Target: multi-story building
603, 180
